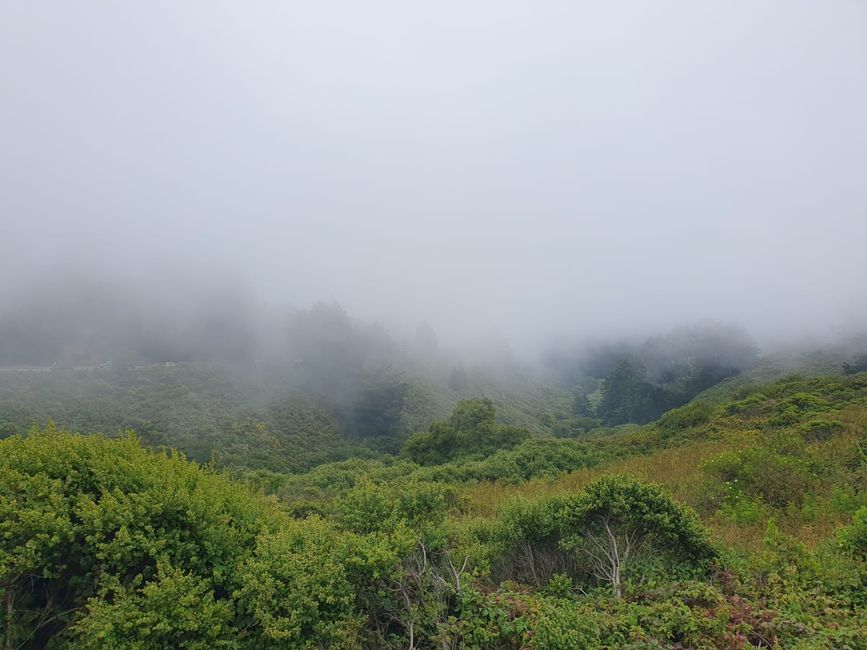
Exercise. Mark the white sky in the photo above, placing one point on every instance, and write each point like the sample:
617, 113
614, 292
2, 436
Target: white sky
583, 167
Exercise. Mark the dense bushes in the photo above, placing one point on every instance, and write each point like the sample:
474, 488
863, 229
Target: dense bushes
228, 415
370, 507
678, 420
471, 430
135, 549
853, 538
83, 516
759, 472
749, 405
174, 610
295, 587
104, 544
533, 458
607, 527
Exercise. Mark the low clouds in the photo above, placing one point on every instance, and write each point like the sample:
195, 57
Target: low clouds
545, 168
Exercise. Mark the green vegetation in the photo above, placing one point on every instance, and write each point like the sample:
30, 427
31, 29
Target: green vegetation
470, 431
261, 417
638, 383
720, 525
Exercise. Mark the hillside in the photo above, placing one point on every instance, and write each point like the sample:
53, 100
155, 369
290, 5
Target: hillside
739, 525
775, 366
259, 417
433, 325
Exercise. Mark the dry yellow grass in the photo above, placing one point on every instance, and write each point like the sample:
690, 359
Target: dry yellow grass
679, 470
675, 468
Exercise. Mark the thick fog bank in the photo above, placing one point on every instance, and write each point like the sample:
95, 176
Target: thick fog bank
507, 172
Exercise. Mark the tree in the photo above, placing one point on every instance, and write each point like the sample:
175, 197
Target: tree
471, 429
581, 405
378, 409
628, 397
617, 517
853, 538
458, 379
858, 364
324, 345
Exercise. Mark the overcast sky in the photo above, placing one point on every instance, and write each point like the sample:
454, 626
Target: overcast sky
535, 166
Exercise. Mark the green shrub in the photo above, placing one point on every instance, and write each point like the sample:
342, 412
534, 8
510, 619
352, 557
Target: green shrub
740, 509
751, 405
604, 528
685, 417
175, 610
471, 429
853, 538
106, 544
295, 589
820, 430
562, 626
78, 513
369, 507
761, 472
485, 620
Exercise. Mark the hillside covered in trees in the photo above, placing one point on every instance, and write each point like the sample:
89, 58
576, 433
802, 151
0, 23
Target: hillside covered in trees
434, 506
327, 387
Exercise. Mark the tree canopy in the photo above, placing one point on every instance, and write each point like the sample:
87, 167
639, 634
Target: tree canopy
472, 429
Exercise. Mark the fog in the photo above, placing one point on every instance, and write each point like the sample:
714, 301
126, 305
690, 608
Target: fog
512, 171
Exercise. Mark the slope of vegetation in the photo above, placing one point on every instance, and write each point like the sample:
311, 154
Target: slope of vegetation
737, 525
258, 417
629, 382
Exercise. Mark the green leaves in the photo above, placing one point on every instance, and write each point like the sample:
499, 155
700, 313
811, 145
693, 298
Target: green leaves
648, 510
775, 476
175, 610
104, 544
370, 508
471, 430
107, 545
853, 538
295, 589
599, 532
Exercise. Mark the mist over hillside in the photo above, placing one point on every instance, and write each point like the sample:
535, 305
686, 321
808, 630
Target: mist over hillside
391, 325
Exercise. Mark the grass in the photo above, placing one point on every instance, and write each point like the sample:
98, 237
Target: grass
838, 470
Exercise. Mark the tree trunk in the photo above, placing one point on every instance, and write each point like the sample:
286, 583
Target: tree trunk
8, 642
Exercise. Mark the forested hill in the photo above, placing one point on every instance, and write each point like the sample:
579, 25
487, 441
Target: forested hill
270, 418
677, 492
740, 525
332, 388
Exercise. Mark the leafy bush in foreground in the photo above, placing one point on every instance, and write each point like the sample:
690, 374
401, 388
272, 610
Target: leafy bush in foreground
105, 545
607, 527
